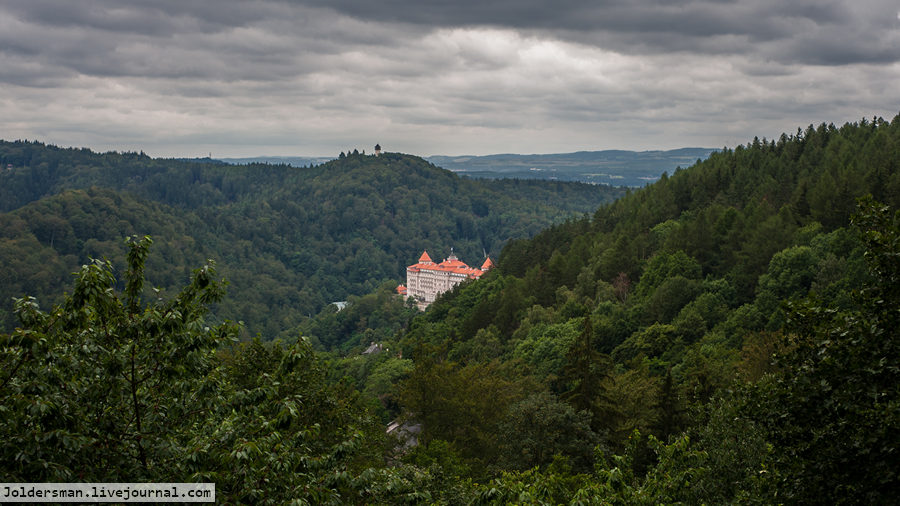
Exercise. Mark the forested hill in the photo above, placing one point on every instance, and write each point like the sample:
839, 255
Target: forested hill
289, 240
665, 300
718, 226
727, 335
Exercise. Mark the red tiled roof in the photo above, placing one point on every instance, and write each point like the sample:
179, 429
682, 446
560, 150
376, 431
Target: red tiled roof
453, 265
401, 289
487, 264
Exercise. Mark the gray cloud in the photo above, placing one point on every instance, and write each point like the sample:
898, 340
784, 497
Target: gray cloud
795, 31
313, 77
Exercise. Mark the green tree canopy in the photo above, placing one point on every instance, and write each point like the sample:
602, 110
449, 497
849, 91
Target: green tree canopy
833, 416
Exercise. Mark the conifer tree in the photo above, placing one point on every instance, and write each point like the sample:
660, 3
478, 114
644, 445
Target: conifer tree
584, 372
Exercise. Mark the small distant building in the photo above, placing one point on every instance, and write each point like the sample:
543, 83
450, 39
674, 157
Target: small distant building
378, 150
374, 349
426, 280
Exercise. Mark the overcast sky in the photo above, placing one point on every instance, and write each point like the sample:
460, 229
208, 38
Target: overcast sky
315, 77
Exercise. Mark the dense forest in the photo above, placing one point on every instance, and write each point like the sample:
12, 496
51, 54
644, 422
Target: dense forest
728, 334
288, 240
740, 309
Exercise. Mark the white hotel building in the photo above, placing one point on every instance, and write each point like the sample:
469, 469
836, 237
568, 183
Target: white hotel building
426, 279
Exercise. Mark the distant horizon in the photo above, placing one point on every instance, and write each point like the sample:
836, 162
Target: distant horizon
370, 150
309, 78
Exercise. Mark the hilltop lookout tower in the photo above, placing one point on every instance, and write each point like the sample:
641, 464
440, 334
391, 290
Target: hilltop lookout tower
378, 150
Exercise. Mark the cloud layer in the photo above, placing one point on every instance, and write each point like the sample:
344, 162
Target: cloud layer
241, 78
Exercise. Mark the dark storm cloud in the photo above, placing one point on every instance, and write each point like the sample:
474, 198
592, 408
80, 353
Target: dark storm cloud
157, 18
443, 76
802, 31
815, 32
228, 39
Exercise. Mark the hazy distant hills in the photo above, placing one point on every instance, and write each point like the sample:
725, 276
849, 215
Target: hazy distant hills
613, 167
293, 161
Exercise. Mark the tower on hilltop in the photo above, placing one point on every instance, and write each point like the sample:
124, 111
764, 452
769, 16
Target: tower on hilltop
378, 150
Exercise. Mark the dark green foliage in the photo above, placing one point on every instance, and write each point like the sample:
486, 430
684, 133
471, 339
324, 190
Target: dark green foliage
375, 317
650, 342
669, 298
106, 388
289, 240
101, 388
545, 346
664, 267
684, 285
462, 405
584, 371
539, 428
669, 244
282, 433
723, 219
833, 416
713, 338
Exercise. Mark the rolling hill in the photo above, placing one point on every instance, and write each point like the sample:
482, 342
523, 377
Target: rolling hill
290, 240
610, 167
